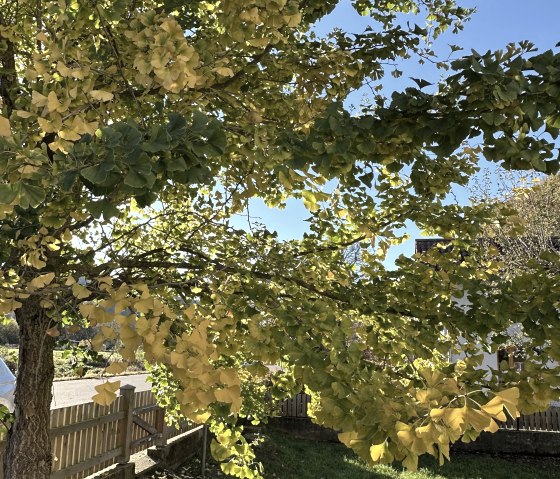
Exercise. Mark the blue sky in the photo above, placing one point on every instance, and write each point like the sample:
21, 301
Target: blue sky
495, 24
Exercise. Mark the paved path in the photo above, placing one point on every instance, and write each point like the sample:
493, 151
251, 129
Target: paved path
78, 391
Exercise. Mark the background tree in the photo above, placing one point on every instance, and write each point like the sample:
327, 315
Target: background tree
132, 132
527, 206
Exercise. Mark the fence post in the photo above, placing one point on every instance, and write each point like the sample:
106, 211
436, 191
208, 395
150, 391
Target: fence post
125, 437
161, 427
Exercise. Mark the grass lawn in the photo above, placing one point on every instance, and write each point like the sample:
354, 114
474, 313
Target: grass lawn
286, 457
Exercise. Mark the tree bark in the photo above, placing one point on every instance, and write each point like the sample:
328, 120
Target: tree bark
28, 453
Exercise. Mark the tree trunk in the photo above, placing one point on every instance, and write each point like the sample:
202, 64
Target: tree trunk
28, 452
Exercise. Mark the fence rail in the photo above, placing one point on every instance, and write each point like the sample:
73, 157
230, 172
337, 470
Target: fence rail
548, 420
296, 406
87, 438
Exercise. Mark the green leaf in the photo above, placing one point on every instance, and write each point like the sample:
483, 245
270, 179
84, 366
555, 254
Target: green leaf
102, 207
160, 140
130, 135
421, 82
97, 174
134, 179
199, 122
217, 140
111, 138
34, 195
176, 163
69, 179
7, 193
177, 126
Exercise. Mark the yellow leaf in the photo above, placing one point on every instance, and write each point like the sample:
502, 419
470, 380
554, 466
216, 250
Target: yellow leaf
224, 71
52, 102
189, 312
443, 447
53, 332
478, 420
97, 342
201, 418
63, 69
70, 281
231, 395
347, 438
258, 42
108, 332
116, 367
510, 399
38, 99
495, 408
46, 125
380, 453
5, 129
251, 16
406, 437
23, 114
42, 37
293, 20
204, 398
492, 427
229, 377
101, 95
42, 280
73, 329
144, 305
456, 417
106, 393
69, 135
411, 462
79, 291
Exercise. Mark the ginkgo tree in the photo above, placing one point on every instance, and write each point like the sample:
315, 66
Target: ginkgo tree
132, 132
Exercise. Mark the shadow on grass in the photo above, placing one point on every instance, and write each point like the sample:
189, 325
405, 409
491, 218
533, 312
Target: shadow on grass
286, 457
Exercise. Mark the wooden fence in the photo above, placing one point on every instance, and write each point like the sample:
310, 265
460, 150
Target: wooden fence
548, 420
88, 437
296, 406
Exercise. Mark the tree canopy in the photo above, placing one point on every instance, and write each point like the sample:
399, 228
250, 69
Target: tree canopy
132, 132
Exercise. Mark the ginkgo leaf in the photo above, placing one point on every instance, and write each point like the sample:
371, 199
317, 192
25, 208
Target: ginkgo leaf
23, 114
53, 104
510, 399
380, 453
411, 462
224, 71
5, 129
116, 368
53, 332
230, 395
69, 135
478, 420
42, 280
79, 291
106, 393
492, 427
38, 99
101, 95
455, 417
